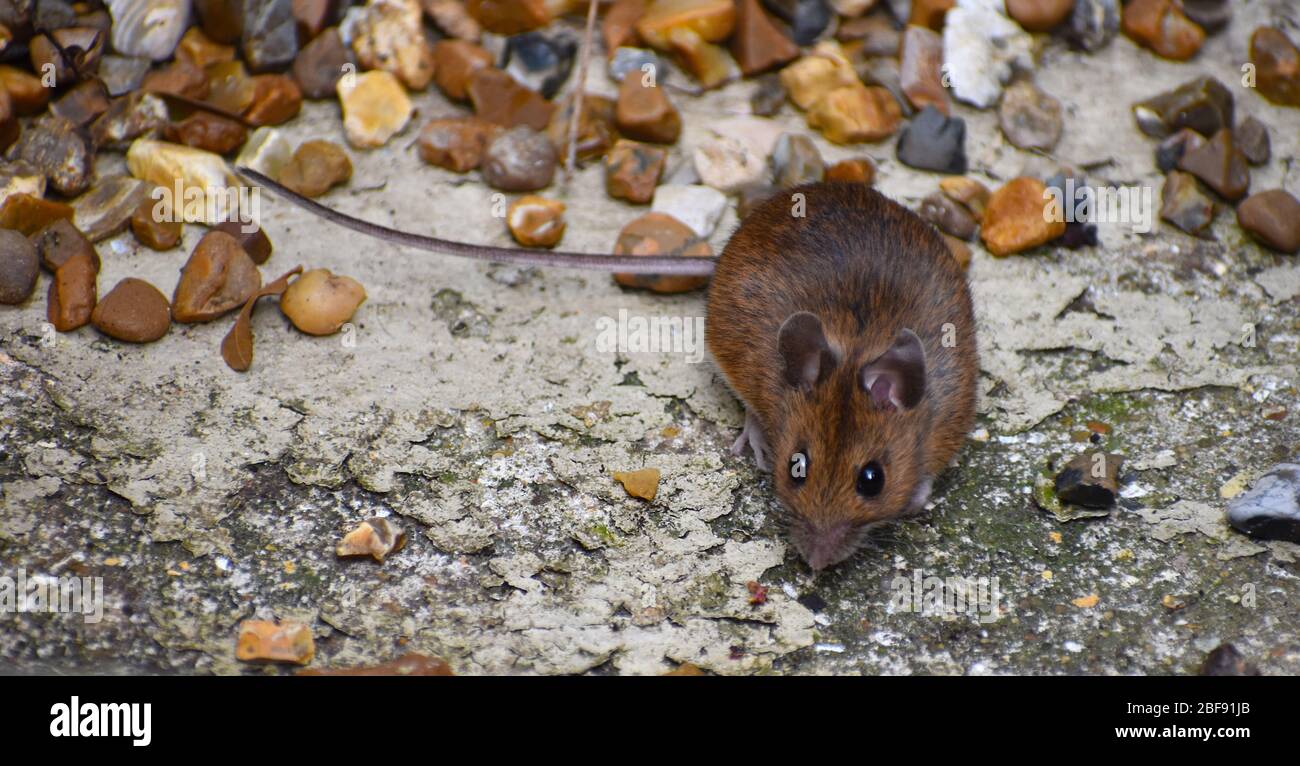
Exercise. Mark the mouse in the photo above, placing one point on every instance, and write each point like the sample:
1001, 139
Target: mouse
843, 324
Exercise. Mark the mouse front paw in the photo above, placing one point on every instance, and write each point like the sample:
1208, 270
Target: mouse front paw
752, 434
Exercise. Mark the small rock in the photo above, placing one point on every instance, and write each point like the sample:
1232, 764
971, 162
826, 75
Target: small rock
250, 236
634, 61
28, 214
202, 51
699, 207
813, 77
220, 20
540, 61
312, 16
133, 311
519, 159
858, 170
316, 167
130, 117
1273, 216
1204, 105
275, 642
633, 170
218, 278
267, 151
455, 62
807, 18
1271, 508
1251, 137
180, 78
230, 89
969, 192
643, 483
154, 228
58, 149
876, 35
948, 215
1225, 660
500, 100
82, 103
658, 234
122, 74
319, 302
712, 20
190, 175
1185, 206
850, 9
536, 221
856, 113
646, 114
1015, 218
768, 95
66, 53
509, 17
728, 163
375, 108
276, 100
148, 28
1030, 118
980, 45
709, 64
26, 91
796, 161
456, 143
932, 141
757, 44
618, 27
209, 132
60, 242
928, 13
1277, 66
19, 267
920, 72
1171, 150
269, 34
71, 299
106, 209
1039, 15
452, 18
389, 35
375, 537
1210, 15
596, 131
320, 63
1162, 26
1220, 165
1090, 479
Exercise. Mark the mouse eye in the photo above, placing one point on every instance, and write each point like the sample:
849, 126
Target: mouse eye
799, 467
871, 479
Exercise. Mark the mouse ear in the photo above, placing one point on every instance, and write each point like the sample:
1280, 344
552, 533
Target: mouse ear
804, 350
896, 378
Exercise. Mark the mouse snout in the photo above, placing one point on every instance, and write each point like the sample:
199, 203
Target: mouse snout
823, 544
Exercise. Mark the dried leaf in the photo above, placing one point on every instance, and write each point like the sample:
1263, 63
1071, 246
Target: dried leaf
237, 346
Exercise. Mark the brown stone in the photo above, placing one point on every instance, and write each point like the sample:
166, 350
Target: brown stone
154, 231
948, 215
455, 62
856, 113
10, 127
813, 77
536, 221
208, 131
84, 102
320, 63
1029, 117
500, 100
875, 35
375, 537
276, 100
267, 641
659, 234
105, 210
133, 311
859, 170
711, 65
1017, 218
456, 143
509, 17
645, 113
1039, 15
596, 131
181, 77
712, 20
59, 242
201, 51
28, 214
1184, 204
319, 302
633, 169
519, 159
250, 236
930, 13
312, 16
230, 87
1277, 66
128, 118
19, 267
1220, 165
1162, 26
25, 90
920, 70
219, 277
1273, 216
758, 44
220, 19
71, 298
1251, 137
618, 28
969, 192
316, 167
61, 151
453, 18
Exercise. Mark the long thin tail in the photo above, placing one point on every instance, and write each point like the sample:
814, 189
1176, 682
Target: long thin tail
674, 265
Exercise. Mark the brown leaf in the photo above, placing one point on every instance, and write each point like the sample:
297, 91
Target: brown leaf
237, 346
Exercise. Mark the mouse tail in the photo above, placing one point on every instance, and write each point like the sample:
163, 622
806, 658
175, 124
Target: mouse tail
631, 264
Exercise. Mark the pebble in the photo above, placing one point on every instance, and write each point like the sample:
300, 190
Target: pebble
643, 483
389, 35
920, 74
122, 74
1220, 165
71, 298
106, 209
375, 537
659, 234
452, 18
928, 13
875, 34
709, 64
1184, 204
1204, 105
509, 17
728, 163
758, 44
813, 77
807, 18
948, 215
1162, 26
209, 132
60, 151
1015, 219
1172, 149
596, 131
202, 51
969, 192
858, 170
856, 113
1277, 66
319, 65
19, 267
180, 78
1271, 508
456, 143
536, 221
1030, 118
312, 16
375, 108
519, 159
59, 242
455, 62
267, 641
133, 311
250, 236
276, 100
28, 214
65, 53
699, 207
1210, 15
153, 231
25, 90
795, 160
320, 302
1251, 137
195, 172
230, 89
219, 277
220, 20
80, 104
618, 27
498, 99
148, 28
712, 20
1079, 484
633, 170
269, 34
932, 141
540, 61
979, 47
768, 95
1225, 660
20, 178
1273, 216
1039, 15
646, 114
267, 151
128, 118
316, 167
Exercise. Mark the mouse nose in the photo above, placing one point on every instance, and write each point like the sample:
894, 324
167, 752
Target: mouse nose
823, 545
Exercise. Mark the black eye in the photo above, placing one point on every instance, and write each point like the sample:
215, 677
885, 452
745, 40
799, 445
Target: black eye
871, 479
799, 466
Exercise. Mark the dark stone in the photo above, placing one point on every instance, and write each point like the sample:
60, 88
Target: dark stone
269, 36
1271, 508
1078, 234
1203, 104
1273, 216
58, 149
1220, 165
1251, 137
807, 18
768, 96
932, 141
1212, 15
1185, 206
1093, 23
950, 216
813, 601
319, 66
1225, 660
540, 61
18, 267
1090, 480
1172, 149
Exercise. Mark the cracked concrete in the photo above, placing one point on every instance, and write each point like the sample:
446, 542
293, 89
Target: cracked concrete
470, 403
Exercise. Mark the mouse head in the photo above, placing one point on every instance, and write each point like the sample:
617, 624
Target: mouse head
847, 453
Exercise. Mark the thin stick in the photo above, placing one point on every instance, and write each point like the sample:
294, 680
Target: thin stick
571, 157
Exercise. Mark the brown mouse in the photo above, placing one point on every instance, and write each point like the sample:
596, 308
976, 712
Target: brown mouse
845, 326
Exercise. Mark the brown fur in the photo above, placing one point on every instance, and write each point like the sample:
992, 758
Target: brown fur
868, 268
